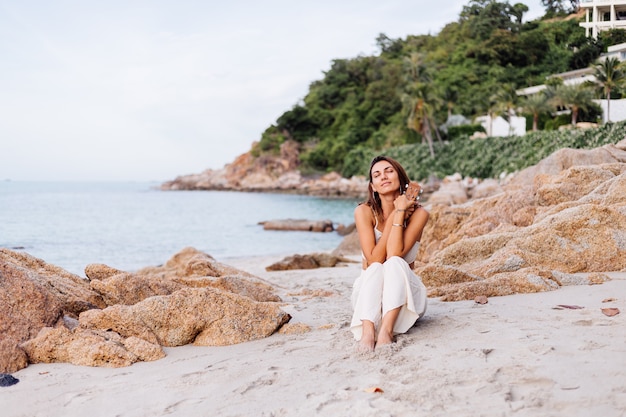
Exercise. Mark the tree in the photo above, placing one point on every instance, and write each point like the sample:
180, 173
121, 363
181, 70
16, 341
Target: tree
536, 104
574, 97
485, 16
388, 45
560, 7
610, 76
450, 95
517, 11
419, 99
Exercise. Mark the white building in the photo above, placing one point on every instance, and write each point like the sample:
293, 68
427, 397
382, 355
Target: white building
603, 15
501, 127
578, 76
615, 51
618, 107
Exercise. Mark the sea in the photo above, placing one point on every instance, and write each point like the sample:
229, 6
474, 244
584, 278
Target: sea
131, 225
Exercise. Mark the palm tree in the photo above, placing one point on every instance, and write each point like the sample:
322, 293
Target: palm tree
421, 115
574, 97
450, 95
536, 104
419, 99
610, 76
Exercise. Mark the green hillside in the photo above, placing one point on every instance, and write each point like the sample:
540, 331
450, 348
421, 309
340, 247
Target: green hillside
395, 101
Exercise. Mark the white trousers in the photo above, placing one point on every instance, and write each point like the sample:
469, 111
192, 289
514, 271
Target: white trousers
383, 287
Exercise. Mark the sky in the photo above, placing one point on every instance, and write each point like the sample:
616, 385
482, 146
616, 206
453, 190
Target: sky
147, 90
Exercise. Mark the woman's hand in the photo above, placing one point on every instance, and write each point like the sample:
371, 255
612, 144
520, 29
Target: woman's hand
412, 194
402, 203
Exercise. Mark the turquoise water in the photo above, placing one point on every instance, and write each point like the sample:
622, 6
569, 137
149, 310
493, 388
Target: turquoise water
132, 225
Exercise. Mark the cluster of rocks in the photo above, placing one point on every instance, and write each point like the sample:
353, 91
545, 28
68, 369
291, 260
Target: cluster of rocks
534, 231
271, 174
329, 185
115, 318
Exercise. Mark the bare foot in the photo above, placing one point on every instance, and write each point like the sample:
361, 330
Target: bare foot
368, 337
366, 344
385, 338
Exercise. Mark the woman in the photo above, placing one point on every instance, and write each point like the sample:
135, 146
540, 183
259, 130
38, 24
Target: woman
388, 297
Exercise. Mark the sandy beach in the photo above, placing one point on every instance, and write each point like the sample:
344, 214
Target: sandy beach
519, 355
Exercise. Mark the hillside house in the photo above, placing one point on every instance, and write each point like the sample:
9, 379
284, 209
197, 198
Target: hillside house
603, 15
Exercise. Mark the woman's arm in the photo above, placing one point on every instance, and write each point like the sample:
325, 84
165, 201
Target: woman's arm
397, 236
415, 227
365, 222
401, 239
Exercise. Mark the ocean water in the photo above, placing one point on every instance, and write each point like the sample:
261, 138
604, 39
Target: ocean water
132, 225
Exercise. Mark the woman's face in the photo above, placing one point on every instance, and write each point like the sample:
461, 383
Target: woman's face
384, 178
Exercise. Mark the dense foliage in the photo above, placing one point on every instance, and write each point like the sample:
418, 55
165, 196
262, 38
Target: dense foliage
489, 157
398, 101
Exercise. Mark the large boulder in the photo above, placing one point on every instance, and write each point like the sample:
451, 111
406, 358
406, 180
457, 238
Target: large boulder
566, 158
89, 348
534, 234
187, 268
35, 295
202, 316
72, 291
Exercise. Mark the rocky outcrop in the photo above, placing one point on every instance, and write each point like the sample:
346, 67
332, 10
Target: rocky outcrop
89, 348
71, 291
34, 295
271, 174
115, 318
566, 215
188, 268
202, 316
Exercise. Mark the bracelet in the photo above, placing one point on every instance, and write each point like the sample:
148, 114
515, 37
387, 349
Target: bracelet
400, 209
397, 224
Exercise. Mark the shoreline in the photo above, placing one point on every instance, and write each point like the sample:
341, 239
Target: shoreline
515, 355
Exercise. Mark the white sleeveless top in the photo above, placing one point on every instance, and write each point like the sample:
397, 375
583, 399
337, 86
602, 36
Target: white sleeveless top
410, 255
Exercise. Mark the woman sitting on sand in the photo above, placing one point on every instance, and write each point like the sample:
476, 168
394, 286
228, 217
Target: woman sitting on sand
388, 296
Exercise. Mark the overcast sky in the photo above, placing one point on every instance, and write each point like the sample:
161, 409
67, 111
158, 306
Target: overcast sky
151, 89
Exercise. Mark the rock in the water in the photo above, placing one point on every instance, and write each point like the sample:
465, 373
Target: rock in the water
301, 225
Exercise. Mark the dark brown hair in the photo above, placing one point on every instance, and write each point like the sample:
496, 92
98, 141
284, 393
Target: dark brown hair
373, 199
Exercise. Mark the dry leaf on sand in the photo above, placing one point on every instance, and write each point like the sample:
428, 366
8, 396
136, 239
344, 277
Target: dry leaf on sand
374, 389
610, 311
570, 307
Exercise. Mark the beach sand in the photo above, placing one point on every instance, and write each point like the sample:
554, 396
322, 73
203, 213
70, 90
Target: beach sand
518, 355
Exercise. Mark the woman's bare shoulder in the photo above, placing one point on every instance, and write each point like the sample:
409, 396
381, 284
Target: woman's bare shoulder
363, 210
